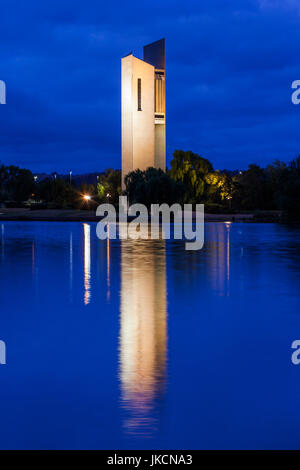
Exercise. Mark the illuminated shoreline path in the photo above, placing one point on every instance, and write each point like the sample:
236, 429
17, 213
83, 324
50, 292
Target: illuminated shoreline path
143, 110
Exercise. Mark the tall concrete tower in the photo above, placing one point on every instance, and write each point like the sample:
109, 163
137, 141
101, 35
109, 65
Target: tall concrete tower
143, 110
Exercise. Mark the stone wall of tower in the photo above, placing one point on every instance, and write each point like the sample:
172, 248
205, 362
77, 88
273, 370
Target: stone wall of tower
143, 110
138, 128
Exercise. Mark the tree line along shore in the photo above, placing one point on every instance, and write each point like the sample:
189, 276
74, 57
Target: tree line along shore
191, 179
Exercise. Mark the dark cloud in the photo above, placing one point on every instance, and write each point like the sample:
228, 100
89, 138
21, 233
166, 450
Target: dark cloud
230, 65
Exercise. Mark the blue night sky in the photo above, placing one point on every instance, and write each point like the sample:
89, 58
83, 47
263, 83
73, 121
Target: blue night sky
230, 65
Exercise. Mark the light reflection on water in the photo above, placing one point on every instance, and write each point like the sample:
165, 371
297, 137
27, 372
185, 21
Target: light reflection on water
219, 259
87, 263
141, 344
108, 264
143, 331
143, 325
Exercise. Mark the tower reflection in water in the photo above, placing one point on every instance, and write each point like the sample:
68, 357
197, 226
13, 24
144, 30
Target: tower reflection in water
143, 332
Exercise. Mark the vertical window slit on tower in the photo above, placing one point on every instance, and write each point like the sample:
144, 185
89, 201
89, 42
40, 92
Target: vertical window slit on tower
139, 91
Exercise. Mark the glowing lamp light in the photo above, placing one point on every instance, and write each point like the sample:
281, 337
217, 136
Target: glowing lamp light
87, 197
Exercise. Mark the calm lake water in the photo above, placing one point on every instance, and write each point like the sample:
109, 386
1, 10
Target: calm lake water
141, 344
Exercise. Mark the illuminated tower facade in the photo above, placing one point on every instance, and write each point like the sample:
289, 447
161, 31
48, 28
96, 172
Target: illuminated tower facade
143, 110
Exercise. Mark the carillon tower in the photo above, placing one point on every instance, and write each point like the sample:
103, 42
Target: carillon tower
144, 110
